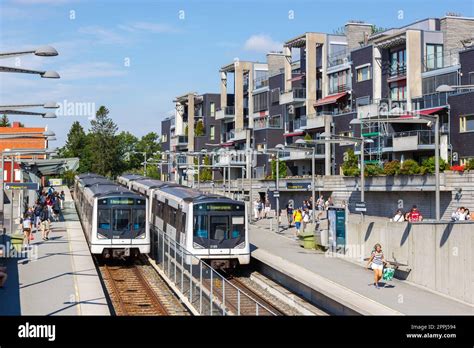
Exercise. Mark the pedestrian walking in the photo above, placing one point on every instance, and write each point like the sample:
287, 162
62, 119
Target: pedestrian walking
289, 213
56, 209
45, 223
256, 204
306, 218
62, 197
26, 225
268, 208
398, 217
297, 218
376, 262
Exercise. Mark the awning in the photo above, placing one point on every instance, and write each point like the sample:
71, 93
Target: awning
294, 134
42, 167
430, 111
297, 77
330, 99
231, 143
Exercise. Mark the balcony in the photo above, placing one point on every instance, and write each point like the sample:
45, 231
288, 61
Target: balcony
413, 140
298, 155
227, 112
298, 124
339, 89
314, 121
396, 72
274, 122
339, 58
441, 60
230, 158
179, 140
260, 82
431, 100
382, 107
293, 96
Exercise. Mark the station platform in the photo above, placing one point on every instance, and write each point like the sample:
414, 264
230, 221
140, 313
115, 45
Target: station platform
57, 276
341, 286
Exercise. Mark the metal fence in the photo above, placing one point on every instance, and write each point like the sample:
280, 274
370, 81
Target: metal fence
207, 291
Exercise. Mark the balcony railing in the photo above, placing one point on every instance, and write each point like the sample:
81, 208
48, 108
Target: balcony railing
268, 122
397, 70
298, 93
335, 112
341, 57
339, 89
425, 137
431, 100
182, 140
436, 61
260, 82
297, 124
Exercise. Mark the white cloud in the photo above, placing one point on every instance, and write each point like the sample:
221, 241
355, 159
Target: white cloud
262, 43
102, 35
149, 27
91, 70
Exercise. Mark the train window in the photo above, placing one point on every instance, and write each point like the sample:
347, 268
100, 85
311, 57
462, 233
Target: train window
104, 219
238, 226
139, 219
121, 219
219, 227
200, 226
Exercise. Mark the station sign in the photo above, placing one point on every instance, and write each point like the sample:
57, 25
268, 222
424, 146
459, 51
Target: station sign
360, 206
298, 185
276, 194
21, 186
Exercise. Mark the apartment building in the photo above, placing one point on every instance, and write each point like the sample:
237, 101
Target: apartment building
192, 128
322, 83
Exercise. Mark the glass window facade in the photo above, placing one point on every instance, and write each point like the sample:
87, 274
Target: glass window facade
434, 56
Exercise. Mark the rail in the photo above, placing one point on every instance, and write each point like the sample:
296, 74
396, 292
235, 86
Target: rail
205, 289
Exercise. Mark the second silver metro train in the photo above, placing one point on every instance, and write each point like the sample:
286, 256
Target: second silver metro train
211, 227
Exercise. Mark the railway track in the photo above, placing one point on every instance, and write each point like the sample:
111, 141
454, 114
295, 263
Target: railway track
239, 299
135, 290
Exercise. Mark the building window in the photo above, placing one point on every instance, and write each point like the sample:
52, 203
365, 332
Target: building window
213, 109
434, 57
363, 74
213, 133
398, 90
363, 101
398, 63
260, 102
466, 123
471, 78
164, 138
339, 81
275, 95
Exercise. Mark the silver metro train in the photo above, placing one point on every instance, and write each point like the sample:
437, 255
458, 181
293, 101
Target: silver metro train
114, 218
212, 227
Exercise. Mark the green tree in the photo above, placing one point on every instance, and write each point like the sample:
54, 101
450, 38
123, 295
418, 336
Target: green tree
4, 121
77, 146
308, 138
281, 169
350, 165
104, 144
127, 145
199, 130
206, 172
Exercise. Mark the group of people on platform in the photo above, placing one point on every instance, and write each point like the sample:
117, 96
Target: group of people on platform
462, 214
413, 215
46, 209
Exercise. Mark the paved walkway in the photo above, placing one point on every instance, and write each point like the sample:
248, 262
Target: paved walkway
57, 277
351, 281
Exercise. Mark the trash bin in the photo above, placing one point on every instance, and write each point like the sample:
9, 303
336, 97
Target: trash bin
307, 240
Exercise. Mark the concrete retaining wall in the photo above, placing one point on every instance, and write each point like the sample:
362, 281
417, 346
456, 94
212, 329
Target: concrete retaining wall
438, 256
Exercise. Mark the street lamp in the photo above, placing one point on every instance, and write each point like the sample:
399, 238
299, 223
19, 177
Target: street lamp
278, 148
43, 51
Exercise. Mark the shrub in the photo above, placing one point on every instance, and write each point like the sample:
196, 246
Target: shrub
351, 171
409, 167
308, 138
199, 131
391, 168
470, 164
281, 169
428, 165
458, 168
373, 170
350, 165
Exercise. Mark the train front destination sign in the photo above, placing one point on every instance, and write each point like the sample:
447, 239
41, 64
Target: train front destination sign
21, 186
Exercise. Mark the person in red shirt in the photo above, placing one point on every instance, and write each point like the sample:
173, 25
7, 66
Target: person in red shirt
415, 215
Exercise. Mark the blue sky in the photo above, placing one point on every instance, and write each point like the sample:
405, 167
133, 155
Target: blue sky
172, 47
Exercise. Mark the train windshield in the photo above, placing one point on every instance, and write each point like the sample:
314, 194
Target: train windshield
104, 219
219, 225
122, 219
139, 219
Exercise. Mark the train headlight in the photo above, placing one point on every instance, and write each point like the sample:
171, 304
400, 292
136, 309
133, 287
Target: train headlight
101, 236
197, 246
240, 246
142, 235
